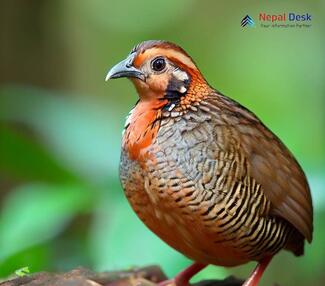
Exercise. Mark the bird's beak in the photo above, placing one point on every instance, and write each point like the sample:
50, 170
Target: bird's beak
125, 69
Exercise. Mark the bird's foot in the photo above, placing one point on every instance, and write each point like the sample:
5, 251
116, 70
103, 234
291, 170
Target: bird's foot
256, 275
183, 278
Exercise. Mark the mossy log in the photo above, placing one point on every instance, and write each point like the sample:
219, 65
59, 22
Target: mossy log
147, 276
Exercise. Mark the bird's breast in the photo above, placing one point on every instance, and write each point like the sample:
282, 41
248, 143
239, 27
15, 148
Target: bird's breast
161, 189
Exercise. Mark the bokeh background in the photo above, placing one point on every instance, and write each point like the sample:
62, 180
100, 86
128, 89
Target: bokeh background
61, 204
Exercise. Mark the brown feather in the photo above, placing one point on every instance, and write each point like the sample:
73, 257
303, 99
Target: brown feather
273, 166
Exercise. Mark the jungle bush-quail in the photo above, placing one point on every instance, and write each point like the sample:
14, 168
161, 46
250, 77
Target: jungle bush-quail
203, 172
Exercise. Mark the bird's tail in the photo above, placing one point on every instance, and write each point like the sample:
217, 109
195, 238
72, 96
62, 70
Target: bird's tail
296, 243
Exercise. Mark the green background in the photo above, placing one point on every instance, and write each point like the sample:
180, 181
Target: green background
61, 204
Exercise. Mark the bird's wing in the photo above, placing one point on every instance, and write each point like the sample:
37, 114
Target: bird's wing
272, 165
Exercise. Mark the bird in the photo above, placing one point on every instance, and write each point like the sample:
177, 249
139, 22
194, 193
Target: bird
203, 172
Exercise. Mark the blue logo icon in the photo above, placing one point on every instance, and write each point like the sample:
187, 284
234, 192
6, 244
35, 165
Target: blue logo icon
247, 21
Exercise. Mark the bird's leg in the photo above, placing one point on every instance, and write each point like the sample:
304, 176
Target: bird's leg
256, 275
183, 278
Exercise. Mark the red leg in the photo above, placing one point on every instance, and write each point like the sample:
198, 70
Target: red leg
256, 275
183, 278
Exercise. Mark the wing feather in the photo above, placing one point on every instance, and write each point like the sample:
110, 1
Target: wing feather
272, 165
283, 181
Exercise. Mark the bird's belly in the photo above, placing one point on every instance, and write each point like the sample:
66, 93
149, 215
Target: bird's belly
178, 225
184, 231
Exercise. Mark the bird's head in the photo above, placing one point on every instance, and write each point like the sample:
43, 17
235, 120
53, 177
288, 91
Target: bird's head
162, 71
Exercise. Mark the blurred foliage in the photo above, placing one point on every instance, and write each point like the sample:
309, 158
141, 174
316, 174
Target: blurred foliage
61, 204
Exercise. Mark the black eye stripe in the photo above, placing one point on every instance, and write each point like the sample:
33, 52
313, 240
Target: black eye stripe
158, 64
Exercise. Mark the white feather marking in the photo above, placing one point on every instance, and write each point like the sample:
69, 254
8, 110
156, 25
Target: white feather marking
180, 75
171, 107
182, 89
127, 120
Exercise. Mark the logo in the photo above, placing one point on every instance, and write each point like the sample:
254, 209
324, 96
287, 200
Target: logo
247, 21
280, 20
284, 17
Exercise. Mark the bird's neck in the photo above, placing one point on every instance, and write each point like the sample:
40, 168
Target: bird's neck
198, 90
142, 127
143, 122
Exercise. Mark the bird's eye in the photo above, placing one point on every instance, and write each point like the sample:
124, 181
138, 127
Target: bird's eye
158, 64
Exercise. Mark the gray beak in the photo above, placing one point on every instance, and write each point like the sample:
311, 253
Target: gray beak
125, 69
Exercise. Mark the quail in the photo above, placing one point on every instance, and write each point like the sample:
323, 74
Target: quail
203, 172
